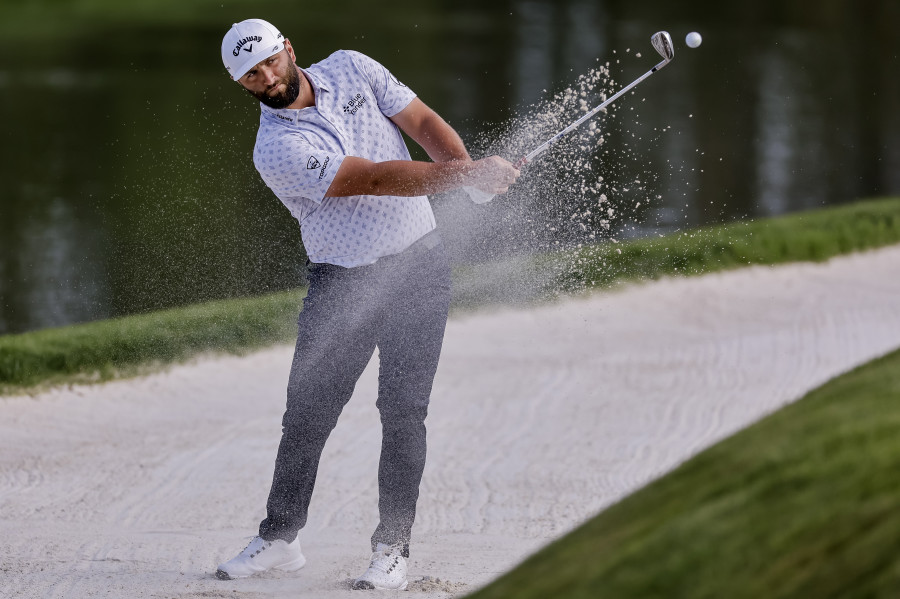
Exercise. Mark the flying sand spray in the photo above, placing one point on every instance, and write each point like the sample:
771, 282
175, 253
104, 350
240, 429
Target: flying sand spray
580, 194
662, 43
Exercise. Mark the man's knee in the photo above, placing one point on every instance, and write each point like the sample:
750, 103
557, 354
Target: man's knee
402, 418
302, 423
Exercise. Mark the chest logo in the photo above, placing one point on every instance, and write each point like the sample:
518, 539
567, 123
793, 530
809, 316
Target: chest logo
312, 163
353, 105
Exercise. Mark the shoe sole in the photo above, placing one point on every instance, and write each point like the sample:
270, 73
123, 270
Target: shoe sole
365, 585
288, 567
292, 566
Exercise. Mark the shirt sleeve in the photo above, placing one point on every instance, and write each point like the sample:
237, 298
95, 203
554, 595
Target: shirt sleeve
292, 166
392, 95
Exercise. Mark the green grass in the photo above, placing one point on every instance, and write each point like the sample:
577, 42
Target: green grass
125, 346
805, 236
107, 349
803, 504
814, 235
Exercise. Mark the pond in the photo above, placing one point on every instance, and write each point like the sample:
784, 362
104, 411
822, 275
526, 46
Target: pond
126, 158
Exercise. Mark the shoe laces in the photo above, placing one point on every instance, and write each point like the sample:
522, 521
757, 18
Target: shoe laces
385, 560
263, 545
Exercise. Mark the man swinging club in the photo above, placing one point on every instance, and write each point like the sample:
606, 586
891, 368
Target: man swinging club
329, 146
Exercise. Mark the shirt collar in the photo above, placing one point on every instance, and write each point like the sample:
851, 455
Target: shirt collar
292, 115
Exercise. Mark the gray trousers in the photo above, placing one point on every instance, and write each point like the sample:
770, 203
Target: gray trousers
398, 304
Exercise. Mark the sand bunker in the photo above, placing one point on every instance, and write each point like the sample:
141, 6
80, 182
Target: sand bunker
539, 419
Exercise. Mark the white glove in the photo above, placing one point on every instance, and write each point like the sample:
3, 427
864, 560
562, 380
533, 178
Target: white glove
478, 196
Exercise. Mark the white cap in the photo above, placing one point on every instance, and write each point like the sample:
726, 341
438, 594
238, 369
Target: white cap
247, 44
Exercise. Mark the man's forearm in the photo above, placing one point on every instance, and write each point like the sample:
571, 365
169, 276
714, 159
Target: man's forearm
452, 166
440, 140
426, 127
358, 176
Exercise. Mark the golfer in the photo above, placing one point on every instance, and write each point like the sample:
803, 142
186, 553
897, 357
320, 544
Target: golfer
329, 146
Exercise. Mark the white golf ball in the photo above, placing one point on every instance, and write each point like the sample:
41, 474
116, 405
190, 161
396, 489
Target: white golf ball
693, 39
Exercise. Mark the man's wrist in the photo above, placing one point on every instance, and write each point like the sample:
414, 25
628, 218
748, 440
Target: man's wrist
456, 173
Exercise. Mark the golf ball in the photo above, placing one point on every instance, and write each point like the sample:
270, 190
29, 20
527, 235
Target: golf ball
693, 39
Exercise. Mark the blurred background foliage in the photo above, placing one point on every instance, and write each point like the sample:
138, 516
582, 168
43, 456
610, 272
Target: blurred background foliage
126, 162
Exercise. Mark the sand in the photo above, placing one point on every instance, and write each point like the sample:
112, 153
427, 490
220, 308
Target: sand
539, 418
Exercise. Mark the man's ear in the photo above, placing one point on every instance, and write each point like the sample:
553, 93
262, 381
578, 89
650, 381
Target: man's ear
290, 49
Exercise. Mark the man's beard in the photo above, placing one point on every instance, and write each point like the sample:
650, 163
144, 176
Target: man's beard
285, 98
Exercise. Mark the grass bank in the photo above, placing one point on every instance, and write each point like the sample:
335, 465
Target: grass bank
814, 235
802, 504
125, 346
804, 236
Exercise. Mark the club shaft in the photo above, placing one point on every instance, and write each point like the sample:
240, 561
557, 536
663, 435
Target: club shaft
544, 146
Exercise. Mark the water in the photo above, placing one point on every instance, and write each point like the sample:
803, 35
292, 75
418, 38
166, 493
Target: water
128, 182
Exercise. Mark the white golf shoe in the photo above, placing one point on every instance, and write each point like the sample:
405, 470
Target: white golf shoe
261, 555
387, 571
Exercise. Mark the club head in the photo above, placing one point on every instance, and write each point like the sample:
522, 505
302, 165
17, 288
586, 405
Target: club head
662, 42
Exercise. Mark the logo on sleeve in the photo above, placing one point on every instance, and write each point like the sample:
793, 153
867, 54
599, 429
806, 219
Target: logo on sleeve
313, 164
355, 104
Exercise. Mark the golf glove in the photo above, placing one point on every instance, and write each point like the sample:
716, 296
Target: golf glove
478, 196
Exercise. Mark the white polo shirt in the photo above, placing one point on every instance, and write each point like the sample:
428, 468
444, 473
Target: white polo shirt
298, 153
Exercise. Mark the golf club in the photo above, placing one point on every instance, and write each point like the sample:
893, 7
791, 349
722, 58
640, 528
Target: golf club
662, 43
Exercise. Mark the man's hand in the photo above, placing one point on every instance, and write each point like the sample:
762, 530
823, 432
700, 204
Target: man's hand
492, 175
452, 167
482, 180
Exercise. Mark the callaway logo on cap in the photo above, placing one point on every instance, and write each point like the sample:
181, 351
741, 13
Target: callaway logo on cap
247, 43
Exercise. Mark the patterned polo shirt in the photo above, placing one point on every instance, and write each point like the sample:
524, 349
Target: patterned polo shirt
298, 153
